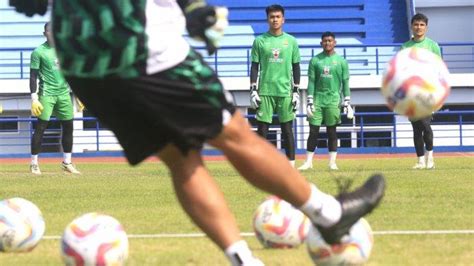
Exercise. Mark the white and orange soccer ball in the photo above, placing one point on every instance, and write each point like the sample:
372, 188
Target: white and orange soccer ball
277, 224
354, 249
415, 83
21, 225
94, 239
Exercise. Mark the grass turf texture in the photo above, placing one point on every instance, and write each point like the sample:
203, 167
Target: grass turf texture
142, 199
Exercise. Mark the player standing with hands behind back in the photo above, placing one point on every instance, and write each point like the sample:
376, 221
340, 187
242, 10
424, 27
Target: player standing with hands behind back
278, 56
422, 132
328, 80
52, 97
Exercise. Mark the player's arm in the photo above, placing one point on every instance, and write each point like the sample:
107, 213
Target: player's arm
30, 7
295, 100
254, 97
36, 106
204, 22
310, 89
346, 91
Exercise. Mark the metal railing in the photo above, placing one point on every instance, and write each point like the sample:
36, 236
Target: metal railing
453, 129
235, 60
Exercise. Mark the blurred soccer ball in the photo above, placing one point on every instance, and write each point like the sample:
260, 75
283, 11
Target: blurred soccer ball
21, 225
354, 250
415, 83
94, 239
277, 224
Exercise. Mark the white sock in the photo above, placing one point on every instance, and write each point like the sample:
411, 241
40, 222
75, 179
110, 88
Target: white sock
292, 163
332, 157
429, 155
239, 254
421, 159
34, 159
309, 156
67, 157
321, 208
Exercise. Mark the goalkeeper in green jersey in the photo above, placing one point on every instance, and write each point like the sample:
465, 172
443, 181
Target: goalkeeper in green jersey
52, 97
277, 55
131, 66
328, 84
422, 132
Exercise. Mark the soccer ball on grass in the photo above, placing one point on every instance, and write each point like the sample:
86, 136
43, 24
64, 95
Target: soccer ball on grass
21, 225
354, 248
415, 83
94, 239
277, 224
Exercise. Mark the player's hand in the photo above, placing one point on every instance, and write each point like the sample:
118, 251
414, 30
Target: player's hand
30, 7
310, 106
206, 23
79, 105
347, 108
349, 112
347, 101
254, 98
295, 97
36, 106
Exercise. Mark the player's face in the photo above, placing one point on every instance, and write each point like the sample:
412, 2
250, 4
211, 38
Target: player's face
275, 20
419, 27
328, 43
48, 34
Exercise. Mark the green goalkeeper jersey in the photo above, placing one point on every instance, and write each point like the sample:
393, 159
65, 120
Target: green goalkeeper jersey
426, 43
276, 55
51, 81
123, 38
328, 77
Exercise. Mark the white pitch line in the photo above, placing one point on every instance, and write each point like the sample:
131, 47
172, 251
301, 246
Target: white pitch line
246, 234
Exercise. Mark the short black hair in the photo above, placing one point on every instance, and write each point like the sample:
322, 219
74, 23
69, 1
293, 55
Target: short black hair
273, 8
418, 17
327, 34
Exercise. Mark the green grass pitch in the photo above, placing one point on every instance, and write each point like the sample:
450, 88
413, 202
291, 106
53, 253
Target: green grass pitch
142, 199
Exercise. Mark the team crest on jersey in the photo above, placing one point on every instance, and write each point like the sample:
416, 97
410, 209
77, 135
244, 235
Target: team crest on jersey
326, 70
276, 53
276, 56
285, 42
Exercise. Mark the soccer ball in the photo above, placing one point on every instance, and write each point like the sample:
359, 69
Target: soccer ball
94, 239
277, 224
415, 83
354, 249
21, 225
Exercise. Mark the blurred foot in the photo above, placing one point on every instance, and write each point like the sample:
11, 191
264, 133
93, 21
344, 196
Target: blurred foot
307, 165
354, 205
69, 168
34, 168
333, 166
430, 164
419, 166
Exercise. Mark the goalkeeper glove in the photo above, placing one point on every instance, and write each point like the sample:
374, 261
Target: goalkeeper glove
79, 105
36, 106
254, 98
206, 23
347, 107
30, 7
310, 106
295, 98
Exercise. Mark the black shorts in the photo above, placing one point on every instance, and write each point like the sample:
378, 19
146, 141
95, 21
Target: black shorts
183, 105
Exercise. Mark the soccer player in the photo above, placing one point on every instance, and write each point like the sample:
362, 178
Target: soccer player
422, 132
133, 69
328, 83
52, 97
277, 55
